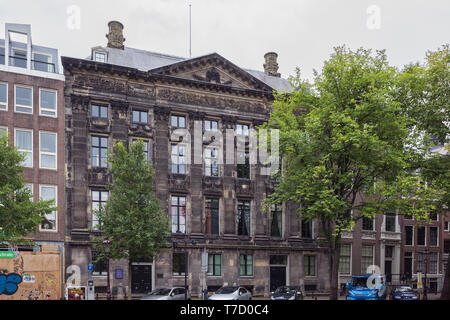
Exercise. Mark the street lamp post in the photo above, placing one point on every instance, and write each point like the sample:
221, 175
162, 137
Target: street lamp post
107, 243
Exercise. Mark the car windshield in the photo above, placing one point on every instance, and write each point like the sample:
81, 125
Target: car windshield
359, 282
404, 289
160, 292
286, 290
226, 290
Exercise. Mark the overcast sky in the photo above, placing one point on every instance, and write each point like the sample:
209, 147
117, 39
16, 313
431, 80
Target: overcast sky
302, 32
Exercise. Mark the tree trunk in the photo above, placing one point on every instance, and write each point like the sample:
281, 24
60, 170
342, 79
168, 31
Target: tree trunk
445, 294
334, 256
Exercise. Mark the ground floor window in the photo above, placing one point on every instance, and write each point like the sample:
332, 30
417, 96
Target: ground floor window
246, 265
310, 265
178, 263
214, 264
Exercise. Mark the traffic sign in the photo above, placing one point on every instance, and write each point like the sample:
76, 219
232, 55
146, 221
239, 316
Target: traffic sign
90, 266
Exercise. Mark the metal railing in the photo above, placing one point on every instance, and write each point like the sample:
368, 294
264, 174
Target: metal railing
21, 62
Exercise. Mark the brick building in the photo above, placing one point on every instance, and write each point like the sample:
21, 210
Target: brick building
32, 114
120, 94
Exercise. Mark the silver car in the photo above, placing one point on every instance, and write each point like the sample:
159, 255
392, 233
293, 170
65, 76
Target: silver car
231, 293
169, 293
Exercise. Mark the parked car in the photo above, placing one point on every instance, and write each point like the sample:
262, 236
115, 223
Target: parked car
403, 293
231, 293
168, 293
359, 288
287, 293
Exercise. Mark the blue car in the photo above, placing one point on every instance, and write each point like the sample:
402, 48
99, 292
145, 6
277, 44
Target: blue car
403, 293
363, 288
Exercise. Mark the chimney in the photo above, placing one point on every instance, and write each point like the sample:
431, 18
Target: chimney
115, 35
271, 65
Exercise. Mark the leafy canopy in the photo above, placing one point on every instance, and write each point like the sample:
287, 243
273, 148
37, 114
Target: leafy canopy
19, 215
132, 220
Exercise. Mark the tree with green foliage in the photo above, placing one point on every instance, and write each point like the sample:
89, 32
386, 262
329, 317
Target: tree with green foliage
425, 91
132, 221
19, 215
347, 148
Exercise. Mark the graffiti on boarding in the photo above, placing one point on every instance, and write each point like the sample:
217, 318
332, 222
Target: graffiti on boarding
9, 283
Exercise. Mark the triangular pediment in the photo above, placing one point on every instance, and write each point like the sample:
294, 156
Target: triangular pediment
213, 68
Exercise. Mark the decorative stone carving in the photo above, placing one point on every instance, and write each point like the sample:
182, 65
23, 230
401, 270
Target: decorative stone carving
212, 75
100, 84
139, 91
99, 125
228, 122
140, 130
179, 183
98, 176
212, 185
244, 187
210, 101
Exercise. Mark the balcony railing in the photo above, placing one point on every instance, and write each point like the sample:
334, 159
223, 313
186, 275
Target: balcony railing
21, 62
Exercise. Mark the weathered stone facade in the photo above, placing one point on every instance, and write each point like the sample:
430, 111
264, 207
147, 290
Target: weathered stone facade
195, 90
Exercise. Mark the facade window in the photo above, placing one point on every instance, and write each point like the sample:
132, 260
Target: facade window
408, 264
178, 159
179, 263
433, 216
140, 116
214, 264
211, 162
24, 143
99, 56
49, 193
309, 262
421, 262
243, 165
306, 229
390, 219
43, 62
367, 224
433, 236
2, 55
99, 151
409, 235
276, 220
19, 58
433, 257
366, 257
246, 265
3, 131
23, 99
98, 202
47, 150
242, 129
345, 259
178, 121
178, 210
99, 111
211, 125
146, 148
100, 266
446, 226
3, 96
212, 216
47, 102
243, 218
421, 232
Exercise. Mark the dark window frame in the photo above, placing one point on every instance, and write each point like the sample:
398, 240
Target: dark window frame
246, 265
212, 216
97, 111
244, 210
139, 113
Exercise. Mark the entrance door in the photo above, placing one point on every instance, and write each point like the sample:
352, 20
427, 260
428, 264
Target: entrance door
388, 270
141, 278
277, 277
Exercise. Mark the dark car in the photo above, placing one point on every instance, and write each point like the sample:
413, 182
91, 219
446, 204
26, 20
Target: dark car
403, 293
287, 293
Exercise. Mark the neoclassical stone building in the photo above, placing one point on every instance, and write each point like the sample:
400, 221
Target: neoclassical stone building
121, 94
